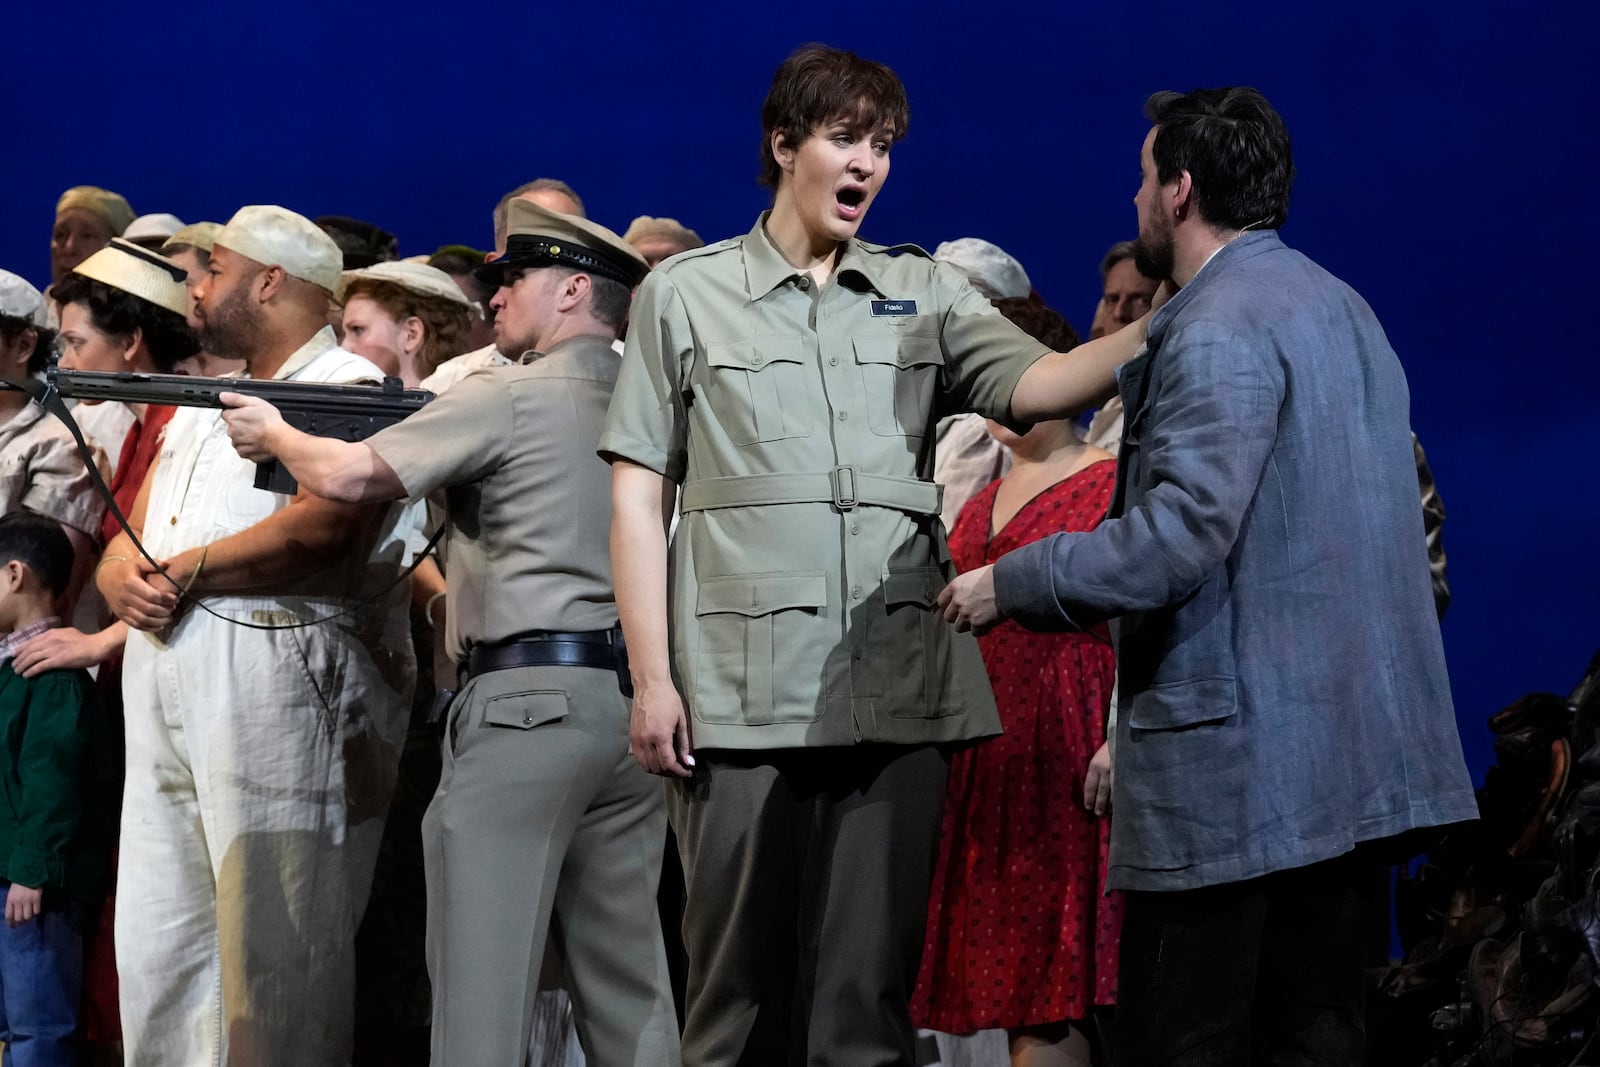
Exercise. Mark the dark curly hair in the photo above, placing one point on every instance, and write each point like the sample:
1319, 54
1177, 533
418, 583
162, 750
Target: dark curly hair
1235, 148
119, 313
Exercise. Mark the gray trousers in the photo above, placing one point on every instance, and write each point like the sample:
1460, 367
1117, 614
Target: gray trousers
543, 825
807, 875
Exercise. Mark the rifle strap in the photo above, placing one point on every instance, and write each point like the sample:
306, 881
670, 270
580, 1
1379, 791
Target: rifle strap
51, 401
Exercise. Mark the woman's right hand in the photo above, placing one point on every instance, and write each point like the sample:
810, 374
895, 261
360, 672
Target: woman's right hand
658, 734
63, 648
137, 593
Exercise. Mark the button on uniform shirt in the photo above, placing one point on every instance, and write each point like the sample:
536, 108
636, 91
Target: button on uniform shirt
800, 421
40, 470
529, 500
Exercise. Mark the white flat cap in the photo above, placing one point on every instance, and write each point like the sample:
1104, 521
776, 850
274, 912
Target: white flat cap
419, 278
196, 235
139, 271
20, 300
994, 272
277, 237
152, 228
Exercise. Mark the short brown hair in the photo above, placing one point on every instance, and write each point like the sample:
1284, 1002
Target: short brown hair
444, 322
818, 85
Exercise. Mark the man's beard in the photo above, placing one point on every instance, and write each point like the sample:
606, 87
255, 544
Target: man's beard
230, 330
1153, 254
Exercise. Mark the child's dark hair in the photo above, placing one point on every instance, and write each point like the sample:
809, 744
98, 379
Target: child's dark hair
39, 543
11, 328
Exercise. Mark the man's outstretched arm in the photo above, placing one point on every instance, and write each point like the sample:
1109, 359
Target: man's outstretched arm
346, 471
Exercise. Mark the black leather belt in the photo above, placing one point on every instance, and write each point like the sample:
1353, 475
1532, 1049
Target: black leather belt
586, 648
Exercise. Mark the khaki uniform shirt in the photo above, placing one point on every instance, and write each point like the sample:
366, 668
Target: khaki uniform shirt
40, 470
453, 370
800, 423
529, 500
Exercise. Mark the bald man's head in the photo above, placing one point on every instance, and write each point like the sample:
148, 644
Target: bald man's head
552, 194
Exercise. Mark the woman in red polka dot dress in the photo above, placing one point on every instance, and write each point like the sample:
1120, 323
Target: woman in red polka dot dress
1021, 936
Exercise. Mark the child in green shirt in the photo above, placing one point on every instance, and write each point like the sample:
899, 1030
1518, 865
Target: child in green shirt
50, 731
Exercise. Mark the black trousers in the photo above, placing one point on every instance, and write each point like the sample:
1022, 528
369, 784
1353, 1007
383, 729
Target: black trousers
1268, 971
807, 873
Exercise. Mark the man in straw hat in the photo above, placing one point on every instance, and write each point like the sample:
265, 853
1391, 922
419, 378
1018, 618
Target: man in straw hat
260, 756
541, 822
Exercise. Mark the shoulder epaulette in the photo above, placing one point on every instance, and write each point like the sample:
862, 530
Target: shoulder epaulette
896, 250
696, 253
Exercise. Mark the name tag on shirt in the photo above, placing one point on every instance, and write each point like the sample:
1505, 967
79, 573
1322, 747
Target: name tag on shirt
893, 308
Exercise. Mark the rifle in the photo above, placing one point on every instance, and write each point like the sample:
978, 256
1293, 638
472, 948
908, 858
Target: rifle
346, 412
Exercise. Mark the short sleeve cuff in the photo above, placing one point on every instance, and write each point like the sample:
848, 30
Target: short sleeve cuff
1005, 418
396, 460
615, 445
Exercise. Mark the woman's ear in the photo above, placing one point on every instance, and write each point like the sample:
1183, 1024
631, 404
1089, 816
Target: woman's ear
783, 151
412, 334
134, 344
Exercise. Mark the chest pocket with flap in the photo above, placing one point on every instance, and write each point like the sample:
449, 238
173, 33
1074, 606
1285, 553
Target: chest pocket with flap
899, 374
749, 382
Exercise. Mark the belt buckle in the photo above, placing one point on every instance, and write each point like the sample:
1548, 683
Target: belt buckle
843, 483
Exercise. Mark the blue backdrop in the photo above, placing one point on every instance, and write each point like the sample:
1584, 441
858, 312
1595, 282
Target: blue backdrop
1444, 150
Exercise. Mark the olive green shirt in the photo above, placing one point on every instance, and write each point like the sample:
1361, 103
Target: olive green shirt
529, 500
799, 421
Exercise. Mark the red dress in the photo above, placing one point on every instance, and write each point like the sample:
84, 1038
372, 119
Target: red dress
1020, 932
101, 1021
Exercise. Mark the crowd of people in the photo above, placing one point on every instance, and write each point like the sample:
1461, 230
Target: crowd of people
780, 645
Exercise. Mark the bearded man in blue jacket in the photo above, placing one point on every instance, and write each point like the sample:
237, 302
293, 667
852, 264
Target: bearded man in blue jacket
1286, 719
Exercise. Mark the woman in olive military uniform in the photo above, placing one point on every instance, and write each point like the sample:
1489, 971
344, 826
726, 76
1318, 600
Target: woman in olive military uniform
790, 676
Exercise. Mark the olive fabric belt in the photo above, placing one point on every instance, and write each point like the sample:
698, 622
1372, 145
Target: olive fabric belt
844, 487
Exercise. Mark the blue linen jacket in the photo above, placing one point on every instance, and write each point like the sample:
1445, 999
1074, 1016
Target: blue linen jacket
1282, 687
